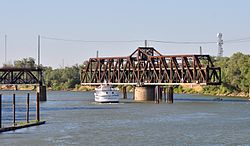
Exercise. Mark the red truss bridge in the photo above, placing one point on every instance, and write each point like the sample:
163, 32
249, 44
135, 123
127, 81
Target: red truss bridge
146, 66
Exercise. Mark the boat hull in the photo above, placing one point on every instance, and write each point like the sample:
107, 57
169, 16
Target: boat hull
107, 99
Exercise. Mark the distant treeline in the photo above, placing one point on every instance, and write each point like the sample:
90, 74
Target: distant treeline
66, 78
235, 76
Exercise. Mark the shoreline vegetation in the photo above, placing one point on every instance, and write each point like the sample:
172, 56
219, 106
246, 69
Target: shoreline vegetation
196, 90
235, 72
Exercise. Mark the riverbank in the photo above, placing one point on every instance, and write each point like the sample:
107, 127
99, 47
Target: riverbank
210, 90
199, 90
15, 87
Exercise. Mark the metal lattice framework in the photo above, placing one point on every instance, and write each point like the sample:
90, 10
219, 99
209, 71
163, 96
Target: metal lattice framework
14, 76
146, 66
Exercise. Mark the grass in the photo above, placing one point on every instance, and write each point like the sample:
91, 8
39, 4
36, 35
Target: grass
25, 122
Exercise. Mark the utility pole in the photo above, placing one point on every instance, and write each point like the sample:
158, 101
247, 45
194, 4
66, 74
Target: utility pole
146, 43
97, 54
5, 49
200, 50
63, 63
38, 50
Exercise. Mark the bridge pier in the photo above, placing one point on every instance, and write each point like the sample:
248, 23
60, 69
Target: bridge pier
170, 97
157, 95
144, 93
42, 93
160, 93
15, 87
133, 92
124, 92
164, 94
153, 93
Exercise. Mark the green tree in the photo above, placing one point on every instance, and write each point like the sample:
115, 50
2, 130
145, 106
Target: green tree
25, 63
64, 78
235, 72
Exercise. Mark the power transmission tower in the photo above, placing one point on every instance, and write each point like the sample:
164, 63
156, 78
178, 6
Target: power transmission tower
220, 43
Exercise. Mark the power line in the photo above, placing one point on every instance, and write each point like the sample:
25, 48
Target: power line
89, 41
122, 41
175, 42
247, 39
240, 40
237, 41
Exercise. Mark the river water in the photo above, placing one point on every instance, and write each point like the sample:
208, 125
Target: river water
72, 118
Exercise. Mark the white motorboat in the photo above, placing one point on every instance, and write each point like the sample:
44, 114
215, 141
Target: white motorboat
106, 94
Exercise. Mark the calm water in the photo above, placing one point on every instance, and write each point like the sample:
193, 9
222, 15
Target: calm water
74, 119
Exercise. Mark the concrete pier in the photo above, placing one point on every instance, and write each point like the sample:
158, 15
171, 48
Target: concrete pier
124, 92
170, 97
157, 94
164, 94
133, 92
144, 93
160, 93
42, 93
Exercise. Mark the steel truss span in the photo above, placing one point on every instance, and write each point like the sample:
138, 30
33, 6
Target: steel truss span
16, 76
146, 66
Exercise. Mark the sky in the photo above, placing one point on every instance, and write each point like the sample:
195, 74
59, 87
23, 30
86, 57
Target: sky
119, 20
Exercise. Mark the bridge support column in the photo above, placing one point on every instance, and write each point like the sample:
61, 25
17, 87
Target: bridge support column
16, 87
144, 93
124, 92
170, 98
157, 94
42, 93
133, 92
160, 93
164, 94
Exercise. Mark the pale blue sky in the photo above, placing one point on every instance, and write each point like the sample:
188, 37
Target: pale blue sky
176, 20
